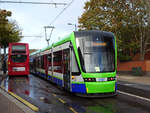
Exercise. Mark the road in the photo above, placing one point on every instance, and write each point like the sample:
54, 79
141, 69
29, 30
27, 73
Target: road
51, 99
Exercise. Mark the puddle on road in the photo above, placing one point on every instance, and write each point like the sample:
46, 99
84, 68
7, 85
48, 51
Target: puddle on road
26, 85
45, 100
17, 85
99, 109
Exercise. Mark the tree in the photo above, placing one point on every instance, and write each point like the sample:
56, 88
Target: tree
128, 19
9, 30
144, 27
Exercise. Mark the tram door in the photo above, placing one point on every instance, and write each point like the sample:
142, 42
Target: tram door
66, 69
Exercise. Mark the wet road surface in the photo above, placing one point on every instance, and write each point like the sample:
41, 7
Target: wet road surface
51, 99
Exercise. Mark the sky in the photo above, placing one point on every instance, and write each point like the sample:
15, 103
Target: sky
32, 18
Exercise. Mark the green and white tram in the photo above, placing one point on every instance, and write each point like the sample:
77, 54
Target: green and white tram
83, 62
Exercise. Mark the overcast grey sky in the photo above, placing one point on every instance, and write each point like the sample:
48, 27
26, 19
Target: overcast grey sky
32, 19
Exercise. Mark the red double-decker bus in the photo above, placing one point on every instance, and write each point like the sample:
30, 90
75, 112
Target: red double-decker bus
18, 59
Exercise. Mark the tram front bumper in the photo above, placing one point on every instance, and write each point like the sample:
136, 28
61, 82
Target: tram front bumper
100, 87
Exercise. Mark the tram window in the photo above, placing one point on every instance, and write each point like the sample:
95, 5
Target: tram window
34, 63
39, 62
42, 62
57, 62
75, 69
36, 60
49, 58
57, 57
49, 62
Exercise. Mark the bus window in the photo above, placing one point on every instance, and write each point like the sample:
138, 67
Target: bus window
18, 58
18, 49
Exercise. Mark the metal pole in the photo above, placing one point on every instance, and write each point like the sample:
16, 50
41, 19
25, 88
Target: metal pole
46, 38
4, 61
0, 59
75, 27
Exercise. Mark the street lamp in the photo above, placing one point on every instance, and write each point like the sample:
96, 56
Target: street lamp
46, 38
75, 26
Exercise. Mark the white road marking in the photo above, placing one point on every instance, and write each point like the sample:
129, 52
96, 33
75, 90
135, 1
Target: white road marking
143, 98
129, 84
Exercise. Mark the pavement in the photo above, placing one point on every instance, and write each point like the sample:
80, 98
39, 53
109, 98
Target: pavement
143, 80
137, 85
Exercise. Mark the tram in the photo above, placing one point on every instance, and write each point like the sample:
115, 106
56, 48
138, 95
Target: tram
83, 62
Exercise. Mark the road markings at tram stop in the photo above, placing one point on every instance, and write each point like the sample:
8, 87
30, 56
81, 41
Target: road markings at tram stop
61, 100
31, 106
54, 95
34, 108
143, 98
72, 110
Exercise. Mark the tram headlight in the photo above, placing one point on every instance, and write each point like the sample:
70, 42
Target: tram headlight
111, 78
73, 77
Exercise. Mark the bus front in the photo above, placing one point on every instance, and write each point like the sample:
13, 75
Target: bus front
18, 59
98, 61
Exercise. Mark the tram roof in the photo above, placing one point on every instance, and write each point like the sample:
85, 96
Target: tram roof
63, 40
104, 33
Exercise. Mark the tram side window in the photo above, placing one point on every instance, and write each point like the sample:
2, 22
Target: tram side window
50, 62
42, 62
57, 62
66, 61
39, 62
36, 60
74, 67
34, 63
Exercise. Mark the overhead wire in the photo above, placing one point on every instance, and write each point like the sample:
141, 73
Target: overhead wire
23, 2
1, 1
61, 12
